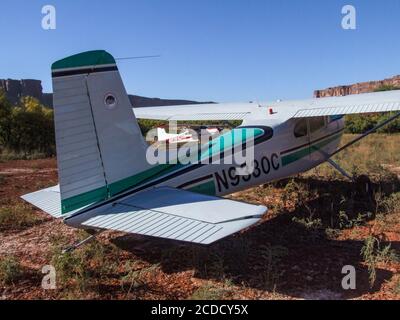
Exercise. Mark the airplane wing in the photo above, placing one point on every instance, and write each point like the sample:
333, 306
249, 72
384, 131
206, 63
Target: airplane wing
213, 111
354, 104
173, 214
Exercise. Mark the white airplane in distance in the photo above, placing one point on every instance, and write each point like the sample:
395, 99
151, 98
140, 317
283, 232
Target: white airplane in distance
172, 138
105, 181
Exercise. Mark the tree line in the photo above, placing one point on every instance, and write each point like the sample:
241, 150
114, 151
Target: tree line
361, 123
28, 127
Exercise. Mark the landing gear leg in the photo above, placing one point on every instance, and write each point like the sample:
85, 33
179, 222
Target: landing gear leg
364, 181
340, 169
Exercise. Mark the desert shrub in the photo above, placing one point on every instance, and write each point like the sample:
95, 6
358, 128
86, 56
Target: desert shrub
81, 267
136, 276
71, 267
368, 251
210, 291
390, 204
270, 257
17, 216
308, 222
295, 193
396, 288
346, 222
10, 270
9, 155
374, 254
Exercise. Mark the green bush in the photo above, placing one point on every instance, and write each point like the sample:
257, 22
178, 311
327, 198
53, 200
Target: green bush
10, 270
387, 87
26, 128
209, 291
80, 269
17, 216
72, 267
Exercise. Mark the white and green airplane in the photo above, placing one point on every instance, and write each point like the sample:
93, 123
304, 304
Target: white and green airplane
106, 182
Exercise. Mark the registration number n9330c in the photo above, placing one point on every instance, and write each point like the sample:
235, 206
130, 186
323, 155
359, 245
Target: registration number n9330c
228, 178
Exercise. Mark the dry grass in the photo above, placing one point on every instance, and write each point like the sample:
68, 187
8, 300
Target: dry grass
6, 155
10, 270
213, 291
17, 216
376, 155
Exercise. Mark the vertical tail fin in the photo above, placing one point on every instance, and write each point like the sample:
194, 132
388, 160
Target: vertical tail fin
100, 148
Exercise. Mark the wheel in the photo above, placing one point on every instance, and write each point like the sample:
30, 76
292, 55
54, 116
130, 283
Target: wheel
364, 185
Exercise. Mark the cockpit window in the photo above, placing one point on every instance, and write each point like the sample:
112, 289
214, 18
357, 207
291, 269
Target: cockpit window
300, 129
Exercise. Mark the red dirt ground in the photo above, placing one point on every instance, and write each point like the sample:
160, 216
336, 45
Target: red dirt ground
310, 269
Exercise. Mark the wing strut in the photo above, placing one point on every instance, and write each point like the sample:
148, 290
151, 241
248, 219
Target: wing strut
377, 127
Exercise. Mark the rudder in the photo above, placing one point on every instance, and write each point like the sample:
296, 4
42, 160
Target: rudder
100, 148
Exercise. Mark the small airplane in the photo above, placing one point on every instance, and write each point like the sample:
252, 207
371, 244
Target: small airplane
106, 183
173, 138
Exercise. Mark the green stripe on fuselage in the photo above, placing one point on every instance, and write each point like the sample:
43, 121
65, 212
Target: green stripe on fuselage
84, 199
207, 188
115, 188
216, 146
124, 184
295, 156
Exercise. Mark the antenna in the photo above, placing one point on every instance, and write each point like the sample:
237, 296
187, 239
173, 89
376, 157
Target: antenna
138, 57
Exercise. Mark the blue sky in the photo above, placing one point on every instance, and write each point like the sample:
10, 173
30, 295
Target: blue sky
225, 50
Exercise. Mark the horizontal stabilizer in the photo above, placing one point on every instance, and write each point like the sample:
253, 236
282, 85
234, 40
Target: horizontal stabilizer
48, 200
173, 214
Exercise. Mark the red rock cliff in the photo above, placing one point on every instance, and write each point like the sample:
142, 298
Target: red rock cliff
362, 87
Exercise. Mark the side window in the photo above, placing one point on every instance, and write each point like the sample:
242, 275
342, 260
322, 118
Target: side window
300, 129
316, 123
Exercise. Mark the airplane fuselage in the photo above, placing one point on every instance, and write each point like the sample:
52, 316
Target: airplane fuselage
280, 156
289, 148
